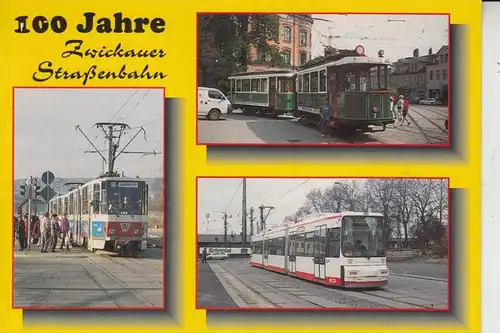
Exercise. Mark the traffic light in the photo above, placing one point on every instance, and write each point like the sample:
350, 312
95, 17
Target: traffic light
23, 190
38, 190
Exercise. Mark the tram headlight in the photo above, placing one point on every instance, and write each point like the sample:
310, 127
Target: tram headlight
383, 272
136, 231
111, 231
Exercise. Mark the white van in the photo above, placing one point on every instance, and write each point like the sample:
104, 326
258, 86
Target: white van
212, 103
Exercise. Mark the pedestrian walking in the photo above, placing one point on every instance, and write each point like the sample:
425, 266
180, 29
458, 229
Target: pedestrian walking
14, 229
55, 231
406, 107
64, 232
399, 109
45, 231
204, 255
35, 230
325, 113
26, 230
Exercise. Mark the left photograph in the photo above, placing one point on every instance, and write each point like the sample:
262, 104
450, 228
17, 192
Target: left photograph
88, 192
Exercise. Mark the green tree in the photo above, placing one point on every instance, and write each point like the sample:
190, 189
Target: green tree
224, 43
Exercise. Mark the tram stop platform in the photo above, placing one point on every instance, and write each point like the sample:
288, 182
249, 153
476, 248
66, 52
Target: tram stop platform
211, 292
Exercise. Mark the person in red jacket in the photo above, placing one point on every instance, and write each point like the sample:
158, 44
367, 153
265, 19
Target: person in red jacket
406, 107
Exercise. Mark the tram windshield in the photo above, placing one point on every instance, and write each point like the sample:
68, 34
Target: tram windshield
125, 197
363, 236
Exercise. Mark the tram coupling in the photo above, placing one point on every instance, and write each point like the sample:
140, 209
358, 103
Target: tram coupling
127, 247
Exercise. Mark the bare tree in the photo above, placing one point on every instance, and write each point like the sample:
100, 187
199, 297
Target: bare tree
423, 197
382, 192
404, 205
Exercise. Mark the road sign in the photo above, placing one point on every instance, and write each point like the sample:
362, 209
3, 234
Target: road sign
48, 177
47, 193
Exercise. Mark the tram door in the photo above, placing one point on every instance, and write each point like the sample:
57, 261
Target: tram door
319, 251
332, 88
292, 260
266, 252
272, 91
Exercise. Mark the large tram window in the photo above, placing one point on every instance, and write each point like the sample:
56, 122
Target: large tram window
333, 240
238, 85
300, 245
71, 203
305, 83
85, 200
314, 82
309, 244
280, 246
322, 81
263, 85
255, 85
245, 85
66, 205
300, 78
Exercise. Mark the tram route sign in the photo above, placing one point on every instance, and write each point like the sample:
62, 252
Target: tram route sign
48, 177
47, 193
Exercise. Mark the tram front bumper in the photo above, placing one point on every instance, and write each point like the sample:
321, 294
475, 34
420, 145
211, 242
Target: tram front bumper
365, 276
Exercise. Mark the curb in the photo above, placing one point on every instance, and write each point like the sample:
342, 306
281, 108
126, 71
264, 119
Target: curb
419, 277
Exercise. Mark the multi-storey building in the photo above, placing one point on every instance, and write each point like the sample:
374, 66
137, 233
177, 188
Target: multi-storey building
408, 75
437, 73
294, 43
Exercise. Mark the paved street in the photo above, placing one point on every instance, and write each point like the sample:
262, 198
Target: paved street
83, 279
237, 128
256, 288
419, 269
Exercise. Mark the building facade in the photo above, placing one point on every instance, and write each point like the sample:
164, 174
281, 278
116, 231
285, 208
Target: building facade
408, 75
294, 43
437, 73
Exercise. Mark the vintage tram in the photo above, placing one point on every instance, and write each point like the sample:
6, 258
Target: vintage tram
338, 249
108, 213
354, 86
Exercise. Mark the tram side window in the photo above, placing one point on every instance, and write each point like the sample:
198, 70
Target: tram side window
71, 204
97, 198
322, 81
255, 85
258, 247
300, 245
309, 242
263, 85
66, 205
232, 85
238, 85
245, 85
266, 246
85, 200
291, 245
305, 83
333, 239
314, 82
300, 78
280, 246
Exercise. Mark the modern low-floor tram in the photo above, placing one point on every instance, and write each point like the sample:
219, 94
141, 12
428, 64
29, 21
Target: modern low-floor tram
109, 214
338, 249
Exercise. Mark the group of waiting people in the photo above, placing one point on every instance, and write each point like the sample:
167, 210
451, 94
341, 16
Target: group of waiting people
45, 231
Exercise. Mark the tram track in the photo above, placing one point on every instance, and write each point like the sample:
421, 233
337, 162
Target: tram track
429, 138
319, 294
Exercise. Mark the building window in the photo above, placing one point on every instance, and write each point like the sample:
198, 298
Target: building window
421, 79
303, 38
431, 75
445, 74
438, 75
303, 58
287, 57
287, 34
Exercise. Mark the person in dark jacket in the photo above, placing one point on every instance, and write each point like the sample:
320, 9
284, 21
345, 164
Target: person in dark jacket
21, 232
204, 255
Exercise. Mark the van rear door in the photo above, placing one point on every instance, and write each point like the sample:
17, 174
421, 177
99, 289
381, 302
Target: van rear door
202, 102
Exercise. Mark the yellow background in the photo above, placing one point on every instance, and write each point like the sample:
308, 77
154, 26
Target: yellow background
20, 54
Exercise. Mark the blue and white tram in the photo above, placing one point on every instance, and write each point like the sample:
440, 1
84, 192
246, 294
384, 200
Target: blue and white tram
109, 213
340, 249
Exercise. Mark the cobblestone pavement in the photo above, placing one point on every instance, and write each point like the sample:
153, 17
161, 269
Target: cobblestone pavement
237, 128
79, 279
257, 288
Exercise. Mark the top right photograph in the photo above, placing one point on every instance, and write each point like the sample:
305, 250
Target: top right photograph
306, 79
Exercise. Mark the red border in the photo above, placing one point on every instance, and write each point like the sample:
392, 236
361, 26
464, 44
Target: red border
49, 308
447, 309
215, 144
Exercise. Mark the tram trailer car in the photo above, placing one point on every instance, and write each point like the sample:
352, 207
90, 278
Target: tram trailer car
109, 214
264, 93
339, 249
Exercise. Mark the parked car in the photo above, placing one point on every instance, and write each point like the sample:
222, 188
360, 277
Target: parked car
428, 101
217, 256
414, 100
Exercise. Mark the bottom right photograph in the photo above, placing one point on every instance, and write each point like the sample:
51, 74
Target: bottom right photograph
323, 243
